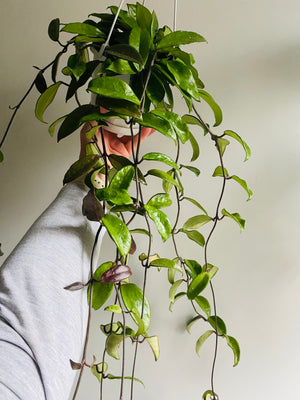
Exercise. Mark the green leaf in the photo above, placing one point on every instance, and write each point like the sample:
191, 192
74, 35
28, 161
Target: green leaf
244, 185
161, 125
219, 172
122, 107
76, 65
40, 82
155, 156
177, 297
195, 170
126, 52
80, 167
221, 327
197, 285
108, 86
196, 221
45, 100
118, 231
1, 157
53, 29
194, 267
112, 345
179, 126
179, 38
120, 67
202, 339
191, 322
195, 202
132, 297
101, 291
195, 147
234, 345
203, 303
195, 236
154, 345
73, 120
155, 90
241, 141
164, 263
209, 395
83, 29
161, 221
160, 200
118, 161
110, 376
236, 217
184, 78
122, 178
162, 175
210, 269
173, 290
167, 186
139, 230
114, 308
54, 124
213, 105
143, 17
223, 143
98, 370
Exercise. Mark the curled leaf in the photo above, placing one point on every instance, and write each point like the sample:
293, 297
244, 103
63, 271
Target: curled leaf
75, 365
75, 286
116, 274
91, 207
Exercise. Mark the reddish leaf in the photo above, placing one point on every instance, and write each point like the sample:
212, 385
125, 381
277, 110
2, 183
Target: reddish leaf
116, 274
91, 207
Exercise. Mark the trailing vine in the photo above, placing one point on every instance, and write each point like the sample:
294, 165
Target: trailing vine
131, 44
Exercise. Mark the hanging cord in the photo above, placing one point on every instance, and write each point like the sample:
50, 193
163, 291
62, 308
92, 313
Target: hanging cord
175, 15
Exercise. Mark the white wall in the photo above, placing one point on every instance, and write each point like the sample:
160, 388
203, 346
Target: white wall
251, 65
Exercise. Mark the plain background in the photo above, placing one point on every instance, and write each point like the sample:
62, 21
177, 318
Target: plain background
251, 65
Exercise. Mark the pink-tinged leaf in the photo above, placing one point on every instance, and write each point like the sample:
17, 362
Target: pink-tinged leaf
116, 274
75, 286
133, 246
75, 365
91, 207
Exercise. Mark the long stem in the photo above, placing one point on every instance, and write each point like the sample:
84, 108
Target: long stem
83, 359
124, 337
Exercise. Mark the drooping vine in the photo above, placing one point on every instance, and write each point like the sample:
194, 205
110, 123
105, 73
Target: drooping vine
136, 71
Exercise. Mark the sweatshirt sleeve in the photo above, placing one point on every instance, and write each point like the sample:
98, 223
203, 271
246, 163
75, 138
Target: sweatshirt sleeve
42, 325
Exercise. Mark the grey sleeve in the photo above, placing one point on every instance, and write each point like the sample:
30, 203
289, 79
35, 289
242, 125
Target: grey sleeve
42, 325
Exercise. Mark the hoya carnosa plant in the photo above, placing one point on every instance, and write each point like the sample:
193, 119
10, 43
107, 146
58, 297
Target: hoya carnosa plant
135, 71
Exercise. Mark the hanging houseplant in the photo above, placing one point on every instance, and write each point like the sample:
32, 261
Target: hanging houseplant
133, 68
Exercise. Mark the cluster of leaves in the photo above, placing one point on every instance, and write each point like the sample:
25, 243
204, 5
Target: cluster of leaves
151, 60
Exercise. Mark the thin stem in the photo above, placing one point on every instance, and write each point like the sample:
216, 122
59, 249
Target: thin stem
124, 337
83, 359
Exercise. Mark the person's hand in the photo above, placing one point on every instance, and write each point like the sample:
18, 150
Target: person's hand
113, 144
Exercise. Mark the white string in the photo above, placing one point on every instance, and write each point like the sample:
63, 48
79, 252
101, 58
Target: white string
175, 15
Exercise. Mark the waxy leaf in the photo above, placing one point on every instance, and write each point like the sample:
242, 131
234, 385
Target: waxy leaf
184, 78
161, 221
196, 221
210, 395
203, 303
101, 291
126, 52
53, 29
202, 339
109, 86
54, 124
83, 29
163, 175
120, 67
155, 156
119, 232
195, 170
219, 172
140, 230
167, 186
191, 322
155, 90
164, 263
110, 376
80, 167
223, 143
197, 285
112, 345
195, 147
179, 126
220, 326
179, 38
234, 345
195, 236
244, 185
76, 65
241, 141
173, 290
40, 82
114, 308
236, 217
99, 370
161, 125
122, 107
75, 286
195, 202
194, 267
91, 207
154, 345
55, 66
160, 200
213, 105
132, 297
115, 274
45, 100
177, 297
122, 179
